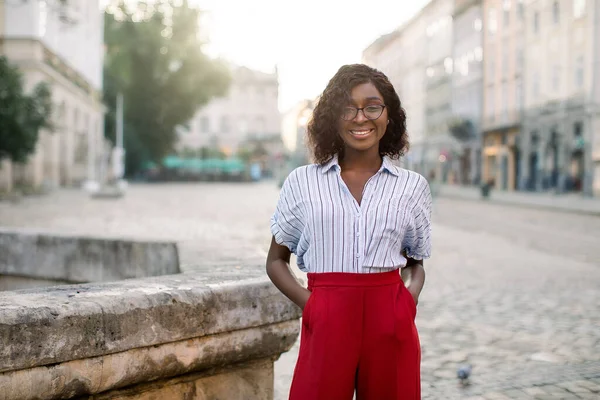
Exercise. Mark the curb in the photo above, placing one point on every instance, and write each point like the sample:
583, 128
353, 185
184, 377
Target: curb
491, 199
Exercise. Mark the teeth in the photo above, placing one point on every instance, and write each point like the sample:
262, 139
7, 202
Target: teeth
359, 133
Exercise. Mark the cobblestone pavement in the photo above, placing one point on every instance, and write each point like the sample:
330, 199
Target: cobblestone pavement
513, 292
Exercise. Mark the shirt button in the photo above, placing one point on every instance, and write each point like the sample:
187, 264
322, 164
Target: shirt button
357, 255
357, 234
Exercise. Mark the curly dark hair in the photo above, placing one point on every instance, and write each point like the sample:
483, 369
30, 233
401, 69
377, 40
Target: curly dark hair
323, 128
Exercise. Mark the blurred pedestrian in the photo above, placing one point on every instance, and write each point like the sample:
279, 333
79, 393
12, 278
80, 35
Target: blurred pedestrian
354, 220
433, 185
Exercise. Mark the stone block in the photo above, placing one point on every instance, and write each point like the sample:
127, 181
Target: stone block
57, 258
81, 340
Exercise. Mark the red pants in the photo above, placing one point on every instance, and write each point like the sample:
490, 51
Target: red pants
358, 333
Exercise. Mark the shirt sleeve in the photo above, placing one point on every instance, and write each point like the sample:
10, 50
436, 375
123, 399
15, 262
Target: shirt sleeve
417, 238
287, 223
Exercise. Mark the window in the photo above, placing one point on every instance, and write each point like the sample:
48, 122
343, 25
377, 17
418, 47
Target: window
555, 78
204, 124
556, 12
448, 65
519, 60
536, 22
504, 99
535, 88
43, 20
86, 124
518, 94
578, 8
492, 21
490, 107
76, 120
579, 72
505, 59
242, 125
477, 25
478, 54
259, 126
520, 9
506, 12
491, 65
225, 123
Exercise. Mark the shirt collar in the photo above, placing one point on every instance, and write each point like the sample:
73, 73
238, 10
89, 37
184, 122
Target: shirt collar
385, 165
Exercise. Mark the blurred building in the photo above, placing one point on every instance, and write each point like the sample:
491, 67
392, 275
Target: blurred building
60, 42
443, 151
401, 56
509, 91
293, 132
249, 111
410, 83
504, 30
467, 88
561, 123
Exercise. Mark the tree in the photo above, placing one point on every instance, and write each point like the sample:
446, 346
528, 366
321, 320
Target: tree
22, 115
154, 57
461, 128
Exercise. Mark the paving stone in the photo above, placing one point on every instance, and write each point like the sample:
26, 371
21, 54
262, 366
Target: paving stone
496, 294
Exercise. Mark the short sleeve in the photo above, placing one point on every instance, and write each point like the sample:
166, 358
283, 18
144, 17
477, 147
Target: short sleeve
417, 238
287, 223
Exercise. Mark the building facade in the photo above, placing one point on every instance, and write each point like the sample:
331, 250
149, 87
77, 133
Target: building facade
561, 120
59, 42
467, 87
504, 29
294, 124
443, 151
401, 56
410, 84
510, 91
249, 111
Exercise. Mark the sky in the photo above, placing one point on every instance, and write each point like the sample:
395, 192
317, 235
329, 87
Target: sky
307, 40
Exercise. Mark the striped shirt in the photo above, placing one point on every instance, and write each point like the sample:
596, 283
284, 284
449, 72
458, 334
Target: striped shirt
320, 221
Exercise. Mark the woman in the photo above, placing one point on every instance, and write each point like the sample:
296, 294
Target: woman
354, 219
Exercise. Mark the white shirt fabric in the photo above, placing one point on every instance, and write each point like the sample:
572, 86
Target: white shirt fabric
320, 221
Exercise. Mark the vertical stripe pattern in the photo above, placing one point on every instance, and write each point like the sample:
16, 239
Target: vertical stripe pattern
319, 220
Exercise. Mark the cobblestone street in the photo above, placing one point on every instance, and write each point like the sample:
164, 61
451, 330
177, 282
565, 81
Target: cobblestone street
514, 292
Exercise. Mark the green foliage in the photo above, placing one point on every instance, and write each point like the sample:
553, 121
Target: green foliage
154, 58
210, 152
461, 128
22, 115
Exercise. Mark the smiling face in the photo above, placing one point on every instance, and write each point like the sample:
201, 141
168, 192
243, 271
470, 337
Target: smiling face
360, 133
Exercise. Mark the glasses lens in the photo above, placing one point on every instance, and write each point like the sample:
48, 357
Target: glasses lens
348, 113
373, 112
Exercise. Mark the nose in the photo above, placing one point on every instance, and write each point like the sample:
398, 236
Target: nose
360, 116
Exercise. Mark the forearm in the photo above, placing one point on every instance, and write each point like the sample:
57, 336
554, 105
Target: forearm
414, 275
417, 275
279, 272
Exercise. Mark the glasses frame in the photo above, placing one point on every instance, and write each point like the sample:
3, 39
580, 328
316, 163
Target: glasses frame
383, 106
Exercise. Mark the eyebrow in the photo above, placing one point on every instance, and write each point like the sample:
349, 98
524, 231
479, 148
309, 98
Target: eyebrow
371, 98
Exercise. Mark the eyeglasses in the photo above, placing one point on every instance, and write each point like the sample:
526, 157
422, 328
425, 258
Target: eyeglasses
370, 112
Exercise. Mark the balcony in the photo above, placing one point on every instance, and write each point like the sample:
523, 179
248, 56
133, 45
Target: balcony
501, 121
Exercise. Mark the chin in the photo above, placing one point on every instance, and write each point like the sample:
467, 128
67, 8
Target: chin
362, 146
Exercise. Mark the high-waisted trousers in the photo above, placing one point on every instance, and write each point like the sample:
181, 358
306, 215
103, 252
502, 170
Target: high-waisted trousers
358, 334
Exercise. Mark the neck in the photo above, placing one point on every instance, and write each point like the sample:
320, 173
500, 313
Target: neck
361, 160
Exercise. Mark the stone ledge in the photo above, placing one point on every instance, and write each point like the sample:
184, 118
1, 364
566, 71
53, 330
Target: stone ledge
142, 365
253, 380
76, 259
55, 325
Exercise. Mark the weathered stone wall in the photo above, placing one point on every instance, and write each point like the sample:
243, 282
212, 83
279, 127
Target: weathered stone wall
186, 336
36, 259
